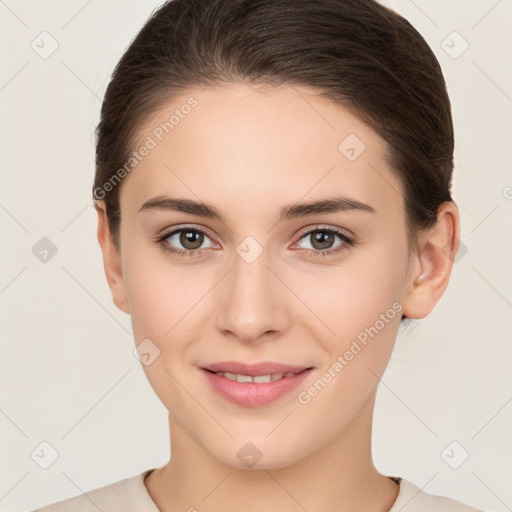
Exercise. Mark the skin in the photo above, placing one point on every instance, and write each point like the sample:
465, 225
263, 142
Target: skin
249, 151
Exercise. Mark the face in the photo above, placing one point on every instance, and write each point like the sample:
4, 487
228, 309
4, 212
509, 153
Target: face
319, 289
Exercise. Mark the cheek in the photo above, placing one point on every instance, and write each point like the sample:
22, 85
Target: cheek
168, 301
365, 317
351, 297
360, 304
163, 301
152, 308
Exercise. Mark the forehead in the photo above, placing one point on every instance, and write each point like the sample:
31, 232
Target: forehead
246, 143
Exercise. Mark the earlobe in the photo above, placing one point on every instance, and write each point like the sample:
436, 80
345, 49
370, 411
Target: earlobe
433, 263
111, 259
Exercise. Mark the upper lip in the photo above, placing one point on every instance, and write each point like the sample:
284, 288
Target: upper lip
263, 368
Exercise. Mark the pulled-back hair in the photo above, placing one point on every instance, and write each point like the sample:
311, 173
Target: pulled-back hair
360, 54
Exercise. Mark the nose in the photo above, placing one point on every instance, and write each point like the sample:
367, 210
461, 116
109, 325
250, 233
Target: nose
252, 302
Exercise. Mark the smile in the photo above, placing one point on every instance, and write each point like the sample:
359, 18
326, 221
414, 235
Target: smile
259, 379
254, 390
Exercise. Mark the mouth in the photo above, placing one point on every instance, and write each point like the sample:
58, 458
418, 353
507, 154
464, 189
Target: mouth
259, 379
254, 385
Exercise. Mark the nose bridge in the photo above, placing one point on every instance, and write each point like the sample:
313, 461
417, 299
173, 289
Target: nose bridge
252, 301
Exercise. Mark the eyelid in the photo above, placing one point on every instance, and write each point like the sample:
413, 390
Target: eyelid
326, 227
168, 231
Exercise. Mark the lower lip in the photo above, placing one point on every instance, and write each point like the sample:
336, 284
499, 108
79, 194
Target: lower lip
252, 394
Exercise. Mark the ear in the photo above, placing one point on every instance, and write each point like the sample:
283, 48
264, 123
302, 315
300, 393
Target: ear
433, 262
111, 259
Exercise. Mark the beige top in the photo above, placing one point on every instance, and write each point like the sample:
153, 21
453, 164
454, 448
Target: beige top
131, 495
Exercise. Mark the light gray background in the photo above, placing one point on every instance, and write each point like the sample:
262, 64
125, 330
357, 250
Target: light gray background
68, 374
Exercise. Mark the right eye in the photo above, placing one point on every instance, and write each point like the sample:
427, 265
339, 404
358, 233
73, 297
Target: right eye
190, 239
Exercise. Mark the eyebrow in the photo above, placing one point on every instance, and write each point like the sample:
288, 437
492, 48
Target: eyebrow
328, 205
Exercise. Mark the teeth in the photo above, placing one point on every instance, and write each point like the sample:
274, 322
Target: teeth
261, 379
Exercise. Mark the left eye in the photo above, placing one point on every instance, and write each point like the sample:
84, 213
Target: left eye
323, 239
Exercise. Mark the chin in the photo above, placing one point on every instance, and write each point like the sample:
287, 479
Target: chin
257, 455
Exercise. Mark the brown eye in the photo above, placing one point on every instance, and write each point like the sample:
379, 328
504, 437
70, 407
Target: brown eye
322, 240
185, 241
191, 239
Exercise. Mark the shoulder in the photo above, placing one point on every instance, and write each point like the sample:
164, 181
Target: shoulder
127, 495
412, 499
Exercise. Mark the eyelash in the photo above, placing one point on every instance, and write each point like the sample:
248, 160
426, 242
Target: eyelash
347, 242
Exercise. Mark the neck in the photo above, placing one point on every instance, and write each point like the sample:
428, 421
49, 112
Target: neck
339, 476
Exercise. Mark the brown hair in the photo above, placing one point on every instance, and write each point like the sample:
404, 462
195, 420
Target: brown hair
358, 53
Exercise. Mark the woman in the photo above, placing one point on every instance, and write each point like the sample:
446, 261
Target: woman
273, 196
